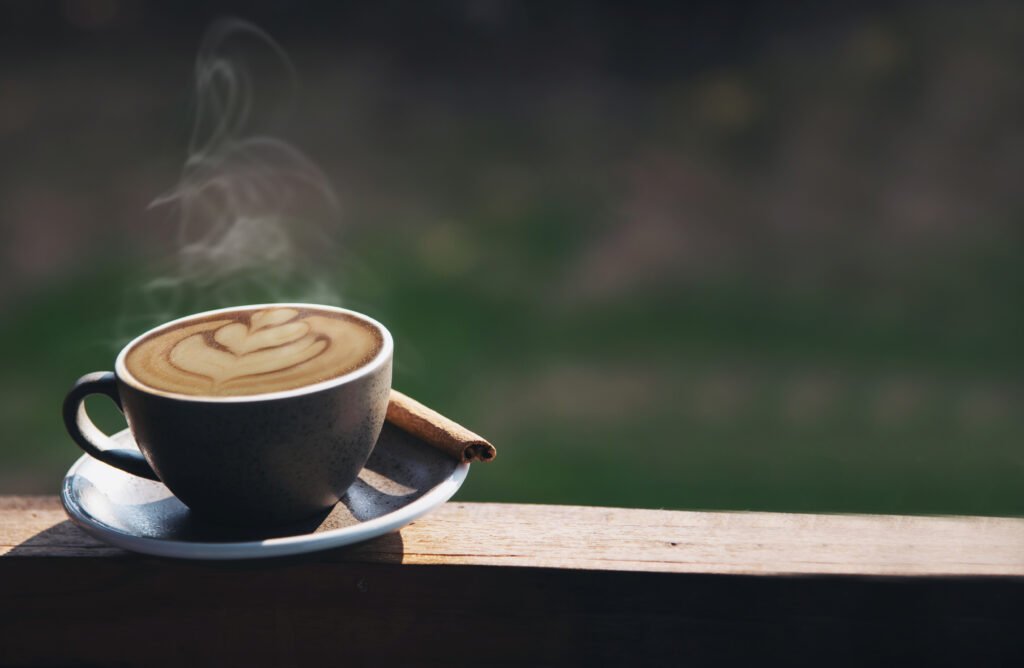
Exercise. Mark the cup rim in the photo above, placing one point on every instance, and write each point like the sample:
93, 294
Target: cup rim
383, 355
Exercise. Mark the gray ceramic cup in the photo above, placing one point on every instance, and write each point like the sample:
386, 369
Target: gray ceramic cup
260, 459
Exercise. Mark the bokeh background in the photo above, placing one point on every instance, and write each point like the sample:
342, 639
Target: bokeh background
737, 255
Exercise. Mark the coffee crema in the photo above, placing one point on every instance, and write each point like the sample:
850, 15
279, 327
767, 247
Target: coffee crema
246, 352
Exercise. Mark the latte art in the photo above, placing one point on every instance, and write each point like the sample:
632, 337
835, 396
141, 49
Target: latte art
252, 352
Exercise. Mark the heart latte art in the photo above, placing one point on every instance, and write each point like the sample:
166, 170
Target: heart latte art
252, 352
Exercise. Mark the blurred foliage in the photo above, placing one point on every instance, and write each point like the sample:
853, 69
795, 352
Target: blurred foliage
709, 398
782, 278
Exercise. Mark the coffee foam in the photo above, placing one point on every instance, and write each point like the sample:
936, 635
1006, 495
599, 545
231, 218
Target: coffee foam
249, 352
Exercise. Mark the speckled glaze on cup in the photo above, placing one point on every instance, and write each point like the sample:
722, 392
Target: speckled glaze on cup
259, 459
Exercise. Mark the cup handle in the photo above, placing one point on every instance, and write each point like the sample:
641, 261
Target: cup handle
88, 436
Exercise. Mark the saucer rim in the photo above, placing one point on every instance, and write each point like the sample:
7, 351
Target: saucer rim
270, 547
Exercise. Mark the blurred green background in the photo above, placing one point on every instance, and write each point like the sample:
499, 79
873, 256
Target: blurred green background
728, 256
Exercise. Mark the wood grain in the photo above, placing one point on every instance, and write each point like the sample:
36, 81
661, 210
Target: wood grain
495, 584
593, 538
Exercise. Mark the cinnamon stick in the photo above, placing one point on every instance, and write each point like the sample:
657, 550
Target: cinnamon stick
435, 429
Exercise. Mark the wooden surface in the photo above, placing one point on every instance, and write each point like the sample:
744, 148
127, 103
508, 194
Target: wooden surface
493, 584
628, 540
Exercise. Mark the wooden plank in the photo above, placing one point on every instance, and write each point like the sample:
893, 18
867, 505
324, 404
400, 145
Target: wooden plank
493, 584
101, 611
593, 538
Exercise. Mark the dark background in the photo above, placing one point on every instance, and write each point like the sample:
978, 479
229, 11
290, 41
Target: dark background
708, 255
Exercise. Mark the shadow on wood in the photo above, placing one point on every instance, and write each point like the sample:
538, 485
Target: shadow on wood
62, 533
387, 549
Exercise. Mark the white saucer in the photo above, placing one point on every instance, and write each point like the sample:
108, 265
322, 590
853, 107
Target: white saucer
403, 479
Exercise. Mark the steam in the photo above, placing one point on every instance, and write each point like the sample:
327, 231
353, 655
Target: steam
253, 214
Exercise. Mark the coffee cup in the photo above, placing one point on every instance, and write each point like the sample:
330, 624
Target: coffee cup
260, 414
